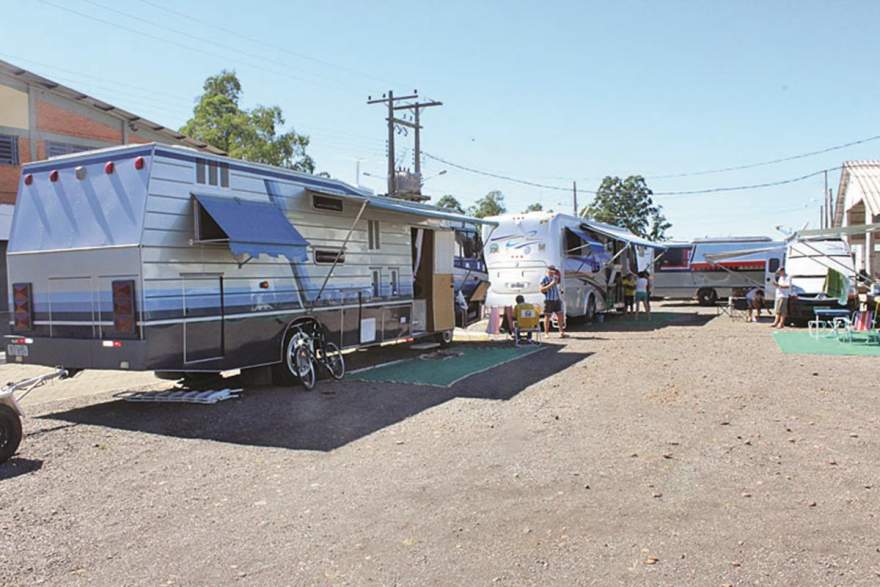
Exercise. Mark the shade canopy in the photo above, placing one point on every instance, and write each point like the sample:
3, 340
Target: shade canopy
621, 234
254, 228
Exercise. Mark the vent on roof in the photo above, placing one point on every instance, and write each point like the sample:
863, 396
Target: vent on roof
56, 149
8, 150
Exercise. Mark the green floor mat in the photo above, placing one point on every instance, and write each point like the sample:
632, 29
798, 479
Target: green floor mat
447, 367
801, 343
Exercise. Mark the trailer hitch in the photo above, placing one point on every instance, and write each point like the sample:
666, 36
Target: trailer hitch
25, 386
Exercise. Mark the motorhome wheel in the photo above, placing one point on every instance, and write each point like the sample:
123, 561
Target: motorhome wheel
707, 297
445, 337
10, 432
295, 367
590, 312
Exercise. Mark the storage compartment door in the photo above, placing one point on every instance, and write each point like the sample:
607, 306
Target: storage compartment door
203, 314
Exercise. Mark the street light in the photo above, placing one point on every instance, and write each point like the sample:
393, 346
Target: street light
443, 172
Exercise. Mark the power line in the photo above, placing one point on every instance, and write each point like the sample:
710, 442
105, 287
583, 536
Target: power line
500, 176
747, 187
765, 163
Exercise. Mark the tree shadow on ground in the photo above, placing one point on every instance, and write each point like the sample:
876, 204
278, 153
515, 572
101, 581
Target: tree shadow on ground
19, 466
658, 320
294, 419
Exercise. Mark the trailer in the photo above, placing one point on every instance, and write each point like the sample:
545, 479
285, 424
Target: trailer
807, 262
704, 269
166, 259
591, 256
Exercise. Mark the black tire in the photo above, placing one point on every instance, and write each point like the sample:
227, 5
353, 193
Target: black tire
284, 374
10, 432
707, 297
301, 362
334, 362
444, 338
590, 312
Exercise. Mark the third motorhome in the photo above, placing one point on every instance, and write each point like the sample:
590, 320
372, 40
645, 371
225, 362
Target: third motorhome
687, 270
590, 255
807, 262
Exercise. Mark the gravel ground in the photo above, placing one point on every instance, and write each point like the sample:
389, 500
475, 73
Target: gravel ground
692, 452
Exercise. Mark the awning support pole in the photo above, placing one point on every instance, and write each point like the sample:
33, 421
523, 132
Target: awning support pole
341, 251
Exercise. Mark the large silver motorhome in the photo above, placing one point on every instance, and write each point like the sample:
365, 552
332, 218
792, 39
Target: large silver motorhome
162, 258
686, 270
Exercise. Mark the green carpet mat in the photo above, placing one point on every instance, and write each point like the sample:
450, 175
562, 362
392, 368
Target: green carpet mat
801, 343
447, 368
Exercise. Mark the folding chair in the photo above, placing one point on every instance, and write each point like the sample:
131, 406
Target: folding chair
527, 327
860, 322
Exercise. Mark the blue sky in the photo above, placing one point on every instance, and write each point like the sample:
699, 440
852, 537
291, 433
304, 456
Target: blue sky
548, 92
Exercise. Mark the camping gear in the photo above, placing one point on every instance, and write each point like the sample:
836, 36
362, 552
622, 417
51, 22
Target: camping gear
837, 286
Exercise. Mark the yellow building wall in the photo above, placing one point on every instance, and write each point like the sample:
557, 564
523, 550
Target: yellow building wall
13, 108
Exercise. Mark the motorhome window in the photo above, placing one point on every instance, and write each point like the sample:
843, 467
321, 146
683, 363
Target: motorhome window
674, 258
573, 245
212, 173
206, 228
200, 170
224, 175
324, 257
774, 265
468, 244
326, 203
377, 282
8, 150
373, 234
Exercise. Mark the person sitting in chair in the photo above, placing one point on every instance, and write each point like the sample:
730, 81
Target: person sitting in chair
526, 319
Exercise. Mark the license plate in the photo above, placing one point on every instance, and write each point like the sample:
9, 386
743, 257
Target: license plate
17, 350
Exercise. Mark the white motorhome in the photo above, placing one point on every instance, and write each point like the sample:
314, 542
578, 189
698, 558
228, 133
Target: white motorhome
591, 257
708, 270
807, 262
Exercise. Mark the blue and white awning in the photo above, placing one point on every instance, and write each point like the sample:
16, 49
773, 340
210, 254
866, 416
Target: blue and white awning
254, 228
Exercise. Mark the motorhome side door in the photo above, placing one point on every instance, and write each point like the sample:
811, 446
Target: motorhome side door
443, 288
774, 262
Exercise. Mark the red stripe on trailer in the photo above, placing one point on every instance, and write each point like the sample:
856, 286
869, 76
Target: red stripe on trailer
743, 265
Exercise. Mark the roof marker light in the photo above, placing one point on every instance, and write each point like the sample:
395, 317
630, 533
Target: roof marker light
53, 176
139, 163
108, 167
29, 179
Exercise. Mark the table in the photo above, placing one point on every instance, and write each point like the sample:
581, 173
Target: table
824, 318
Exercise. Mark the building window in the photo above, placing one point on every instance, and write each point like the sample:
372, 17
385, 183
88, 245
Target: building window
377, 282
324, 257
327, 203
56, 149
8, 150
373, 234
212, 173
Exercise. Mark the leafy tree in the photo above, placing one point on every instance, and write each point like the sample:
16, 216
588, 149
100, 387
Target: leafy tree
253, 135
628, 203
451, 203
492, 204
536, 207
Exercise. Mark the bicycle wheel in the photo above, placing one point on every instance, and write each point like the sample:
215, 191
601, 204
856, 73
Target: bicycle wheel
332, 359
300, 362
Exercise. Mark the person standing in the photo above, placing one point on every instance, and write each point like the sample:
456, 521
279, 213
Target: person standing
629, 293
642, 294
552, 301
783, 291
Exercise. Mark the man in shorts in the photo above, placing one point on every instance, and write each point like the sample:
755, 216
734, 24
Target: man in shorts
783, 290
552, 301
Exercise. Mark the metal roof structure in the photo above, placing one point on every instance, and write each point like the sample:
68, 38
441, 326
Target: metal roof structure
861, 180
69, 93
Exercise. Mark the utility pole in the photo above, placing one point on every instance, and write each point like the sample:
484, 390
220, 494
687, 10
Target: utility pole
574, 190
393, 122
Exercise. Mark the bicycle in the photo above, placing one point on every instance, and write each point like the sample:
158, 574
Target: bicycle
310, 349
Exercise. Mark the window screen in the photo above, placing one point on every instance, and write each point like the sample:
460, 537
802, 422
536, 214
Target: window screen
373, 234
8, 150
328, 257
327, 203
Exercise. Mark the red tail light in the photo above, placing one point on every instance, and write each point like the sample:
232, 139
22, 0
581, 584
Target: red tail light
139, 163
22, 306
123, 307
53, 176
28, 179
108, 167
